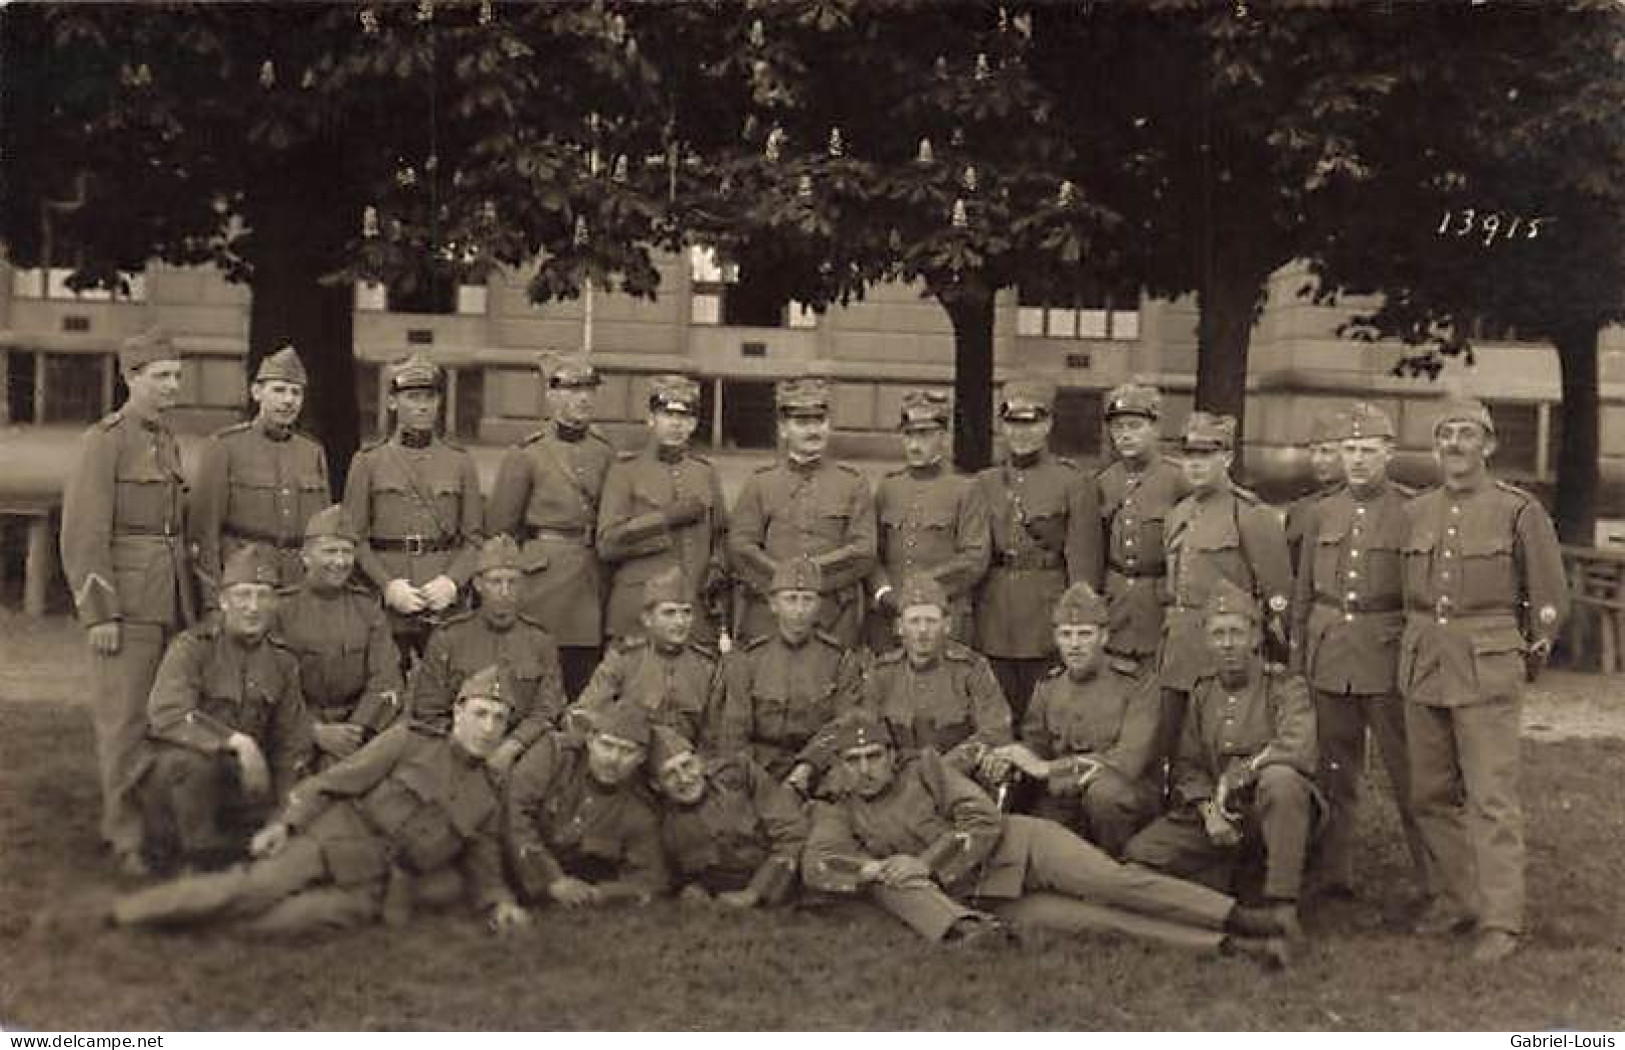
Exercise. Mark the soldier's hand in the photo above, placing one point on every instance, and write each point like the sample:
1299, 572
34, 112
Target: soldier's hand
339, 739
903, 870
1534, 661
1025, 760
403, 597
106, 638
269, 840
800, 779
505, 755
995, 765
694, 893
439, 592
508, 916
745, 898
685, 510
573, 893
1220, 831
255, 775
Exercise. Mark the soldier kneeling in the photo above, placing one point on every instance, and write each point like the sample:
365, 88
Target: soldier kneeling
413, 808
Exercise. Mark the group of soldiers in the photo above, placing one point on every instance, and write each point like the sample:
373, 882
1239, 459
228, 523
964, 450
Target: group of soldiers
1123, 701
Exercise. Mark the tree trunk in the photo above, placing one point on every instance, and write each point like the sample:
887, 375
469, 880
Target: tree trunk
1227, 303
971, 312
1575, 508
298, 236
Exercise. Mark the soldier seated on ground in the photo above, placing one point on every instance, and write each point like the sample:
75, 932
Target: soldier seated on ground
732, 833
349, 669
364, 839
581, 827
929, 846
227, 724
778, 690
494, 633
667, 671
1242, 774
1089, 732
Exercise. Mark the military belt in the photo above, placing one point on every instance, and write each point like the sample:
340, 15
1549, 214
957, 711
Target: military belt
1037, 559
1138, 574
578, 535
1341, 603
286, 543
417, 545
168, 533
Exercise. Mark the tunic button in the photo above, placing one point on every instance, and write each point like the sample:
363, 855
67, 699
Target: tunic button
1455, 509
1128, 543
1353, 575
1353, 596
1354, 552
1449, 554
1359, 510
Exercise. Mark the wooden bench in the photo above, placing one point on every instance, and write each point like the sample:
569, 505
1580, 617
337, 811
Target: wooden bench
1597, 583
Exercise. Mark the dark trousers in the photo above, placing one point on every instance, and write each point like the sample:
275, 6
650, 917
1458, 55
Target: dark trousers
1341, 722
576, 665
1017, 677
195, 809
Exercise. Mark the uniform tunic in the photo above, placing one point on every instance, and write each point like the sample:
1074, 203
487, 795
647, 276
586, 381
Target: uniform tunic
1108, 717
1133, 511
411, 804
820, 509
1483, 578
773, 697
935, 523
952, 706
123, 518
563, 822
468, 643
1268, 722
635, 542
256, 486
974, 854
673, 687
546, 497
1349, 606
747, 832
349, 669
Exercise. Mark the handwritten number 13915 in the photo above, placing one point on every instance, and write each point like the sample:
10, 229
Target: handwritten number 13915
1489, 224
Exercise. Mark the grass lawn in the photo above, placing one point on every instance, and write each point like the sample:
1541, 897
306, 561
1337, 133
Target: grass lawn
666, 967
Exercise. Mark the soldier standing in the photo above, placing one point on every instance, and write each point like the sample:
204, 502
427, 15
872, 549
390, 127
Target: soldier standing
1135, 495
1218, 532
124, 555
415, 500
1348, 603
260, 481
1485, 595
805, 504
546, 497
931, 521
228, 722
494, 634
355, 841
1326, 467
349, 669
1037, 515
661, 507
777, 691
1242, 776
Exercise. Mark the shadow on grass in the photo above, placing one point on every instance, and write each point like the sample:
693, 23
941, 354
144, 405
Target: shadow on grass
846, 967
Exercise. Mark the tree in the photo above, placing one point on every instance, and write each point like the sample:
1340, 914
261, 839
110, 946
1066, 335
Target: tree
1504, 208
301, 146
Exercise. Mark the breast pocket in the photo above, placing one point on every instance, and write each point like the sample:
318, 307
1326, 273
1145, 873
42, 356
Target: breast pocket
1488, 574
1328, 552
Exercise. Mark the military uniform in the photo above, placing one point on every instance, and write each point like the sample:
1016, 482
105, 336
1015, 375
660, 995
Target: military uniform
562, 823
773, 697
1348, 601
209, 687
747, 832
546, 497
125, 560
1225, 535
1028, 868
470, 641
1261, 737
674, 687
349, 669
1037, 517
410, 807
660, 507
1483, 580
1326, 428
415, 500
953, 706
818, 508
1109, 719
258, 483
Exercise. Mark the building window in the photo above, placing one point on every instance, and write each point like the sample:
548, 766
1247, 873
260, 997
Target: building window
75, 388
749, 420
728, 293
1107, 316
423, 297
37, 283
1077, 430
1486, 330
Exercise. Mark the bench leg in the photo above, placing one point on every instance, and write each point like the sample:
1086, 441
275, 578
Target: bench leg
37, 565
1608, 623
